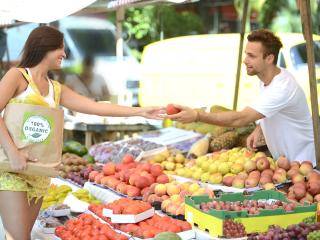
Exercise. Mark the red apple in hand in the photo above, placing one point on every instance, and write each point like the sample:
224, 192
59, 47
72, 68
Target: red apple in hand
171, 109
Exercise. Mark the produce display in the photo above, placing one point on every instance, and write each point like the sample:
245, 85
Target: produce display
148, 228
305, 183
51, 222
255, 211
169, 197
75, 147
80, 178
170, 160
56, 195
299, 231
252, 206
85, 196
115, 151
129, 178
71, 163
232, 229
127, 206
87, 227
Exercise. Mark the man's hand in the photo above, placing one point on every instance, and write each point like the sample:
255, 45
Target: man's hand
253, 138
186, 115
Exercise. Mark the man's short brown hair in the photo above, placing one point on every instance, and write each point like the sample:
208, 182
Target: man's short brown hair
270, 42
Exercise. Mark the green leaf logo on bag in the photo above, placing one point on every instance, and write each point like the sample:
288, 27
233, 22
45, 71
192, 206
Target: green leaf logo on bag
36, 128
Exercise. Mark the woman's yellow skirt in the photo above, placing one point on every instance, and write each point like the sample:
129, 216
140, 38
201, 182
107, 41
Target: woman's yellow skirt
35, 186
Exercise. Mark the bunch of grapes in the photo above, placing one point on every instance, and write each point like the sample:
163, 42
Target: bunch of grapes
309, 220
292, 232
233, 229
313, 235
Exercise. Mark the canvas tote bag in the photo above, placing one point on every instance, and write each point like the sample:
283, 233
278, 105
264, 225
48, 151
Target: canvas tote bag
38, 131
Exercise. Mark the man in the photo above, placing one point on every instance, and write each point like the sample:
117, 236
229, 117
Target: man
281, 108
88, 83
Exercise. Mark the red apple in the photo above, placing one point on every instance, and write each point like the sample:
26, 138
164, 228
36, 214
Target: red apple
171, 109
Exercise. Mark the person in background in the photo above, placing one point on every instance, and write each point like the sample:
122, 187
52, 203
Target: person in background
21, 195
88, 83
281, 107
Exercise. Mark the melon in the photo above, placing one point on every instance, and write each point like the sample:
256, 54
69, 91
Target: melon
167, 236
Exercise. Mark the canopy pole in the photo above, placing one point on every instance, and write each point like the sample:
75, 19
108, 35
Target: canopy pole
120, 18
242, 32
305, 13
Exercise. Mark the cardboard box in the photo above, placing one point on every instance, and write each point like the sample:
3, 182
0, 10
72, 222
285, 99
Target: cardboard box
212, 221
127, 218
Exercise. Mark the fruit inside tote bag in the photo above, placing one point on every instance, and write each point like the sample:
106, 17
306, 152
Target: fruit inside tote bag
37, 131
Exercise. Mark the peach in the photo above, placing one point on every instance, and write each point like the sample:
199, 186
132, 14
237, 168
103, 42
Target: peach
141, 182
163, 178
109, 169
156, 170
133, 191
160, 189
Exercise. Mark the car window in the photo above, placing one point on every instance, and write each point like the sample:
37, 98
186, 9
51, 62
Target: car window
299, 53
16, 38
94, 42
281, 61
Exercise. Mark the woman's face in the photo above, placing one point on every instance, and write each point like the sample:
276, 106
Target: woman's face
54, 58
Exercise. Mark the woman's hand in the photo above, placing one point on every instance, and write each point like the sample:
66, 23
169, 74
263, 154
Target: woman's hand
152, 112
18, 160
186, 115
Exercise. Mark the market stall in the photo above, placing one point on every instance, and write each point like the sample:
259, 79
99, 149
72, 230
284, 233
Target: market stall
193, 185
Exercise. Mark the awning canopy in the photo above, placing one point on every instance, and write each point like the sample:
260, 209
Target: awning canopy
39, 11
123, 3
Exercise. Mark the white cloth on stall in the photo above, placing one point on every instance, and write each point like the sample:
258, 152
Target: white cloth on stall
287, 126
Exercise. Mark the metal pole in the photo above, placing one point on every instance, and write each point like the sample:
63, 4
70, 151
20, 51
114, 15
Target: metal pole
307, 33
242, 32
120, 19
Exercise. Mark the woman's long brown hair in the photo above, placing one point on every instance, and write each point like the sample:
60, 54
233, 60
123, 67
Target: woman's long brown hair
40, 41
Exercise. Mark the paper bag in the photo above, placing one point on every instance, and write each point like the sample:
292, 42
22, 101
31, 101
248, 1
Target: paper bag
38, 131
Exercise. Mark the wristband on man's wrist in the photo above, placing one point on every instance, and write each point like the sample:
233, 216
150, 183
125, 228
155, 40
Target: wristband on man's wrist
197, 116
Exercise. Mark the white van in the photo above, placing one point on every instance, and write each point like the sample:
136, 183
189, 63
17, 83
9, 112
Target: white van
200, 70
88, 36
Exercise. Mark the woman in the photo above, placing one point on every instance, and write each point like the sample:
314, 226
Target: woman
21, 195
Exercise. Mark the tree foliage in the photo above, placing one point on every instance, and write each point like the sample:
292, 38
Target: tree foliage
153, 22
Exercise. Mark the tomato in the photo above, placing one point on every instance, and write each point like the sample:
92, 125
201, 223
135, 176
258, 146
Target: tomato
85, 233
102, 237
59, 230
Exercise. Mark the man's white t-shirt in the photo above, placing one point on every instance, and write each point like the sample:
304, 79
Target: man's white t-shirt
287, 126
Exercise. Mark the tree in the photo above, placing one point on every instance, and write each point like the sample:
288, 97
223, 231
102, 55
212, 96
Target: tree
281, 15
152, 23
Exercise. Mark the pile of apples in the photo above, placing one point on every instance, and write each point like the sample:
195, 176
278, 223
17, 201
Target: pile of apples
242, 168
129, 177
171, 195
170, 161
227, 165
305, 182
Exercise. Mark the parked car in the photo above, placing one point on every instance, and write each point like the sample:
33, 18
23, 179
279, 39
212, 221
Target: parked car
200, 70
88, 36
